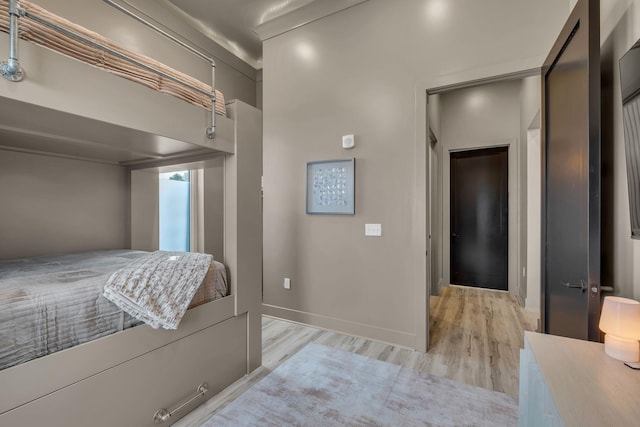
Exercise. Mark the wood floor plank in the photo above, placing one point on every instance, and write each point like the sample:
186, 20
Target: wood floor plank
475, 338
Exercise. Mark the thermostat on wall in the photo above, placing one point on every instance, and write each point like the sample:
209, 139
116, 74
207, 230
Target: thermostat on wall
348, 141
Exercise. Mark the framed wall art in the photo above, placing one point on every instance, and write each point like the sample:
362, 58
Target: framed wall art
331, 187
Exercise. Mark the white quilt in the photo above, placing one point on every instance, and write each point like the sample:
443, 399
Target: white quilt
158, 288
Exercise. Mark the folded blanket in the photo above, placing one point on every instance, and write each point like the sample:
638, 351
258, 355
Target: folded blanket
157, 289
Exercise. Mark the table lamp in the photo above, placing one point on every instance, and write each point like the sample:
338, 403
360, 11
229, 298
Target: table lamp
620, 321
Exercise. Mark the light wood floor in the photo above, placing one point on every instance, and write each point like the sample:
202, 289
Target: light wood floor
475, 335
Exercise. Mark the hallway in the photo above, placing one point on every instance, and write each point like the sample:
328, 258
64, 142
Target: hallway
476, 336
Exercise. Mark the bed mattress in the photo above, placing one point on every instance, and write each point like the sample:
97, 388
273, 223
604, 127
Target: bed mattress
51, 303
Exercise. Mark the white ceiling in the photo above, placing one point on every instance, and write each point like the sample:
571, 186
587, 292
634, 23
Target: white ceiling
230, 23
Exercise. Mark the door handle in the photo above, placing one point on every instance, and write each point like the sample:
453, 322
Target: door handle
454, 234
582, 285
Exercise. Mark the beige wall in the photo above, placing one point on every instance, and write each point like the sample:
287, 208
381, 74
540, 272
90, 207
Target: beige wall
53, 205
620, 29
480, 117
357, 72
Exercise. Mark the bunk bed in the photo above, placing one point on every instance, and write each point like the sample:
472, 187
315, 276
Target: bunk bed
140, 375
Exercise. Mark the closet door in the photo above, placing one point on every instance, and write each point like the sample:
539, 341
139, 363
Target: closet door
571, 178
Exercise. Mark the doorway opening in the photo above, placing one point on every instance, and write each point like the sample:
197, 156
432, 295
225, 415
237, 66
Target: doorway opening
480, 218
479, 119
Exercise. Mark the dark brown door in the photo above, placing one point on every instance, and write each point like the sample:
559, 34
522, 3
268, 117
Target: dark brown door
571, 178
479, 218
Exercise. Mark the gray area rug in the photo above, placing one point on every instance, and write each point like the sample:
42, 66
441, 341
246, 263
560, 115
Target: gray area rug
322, 386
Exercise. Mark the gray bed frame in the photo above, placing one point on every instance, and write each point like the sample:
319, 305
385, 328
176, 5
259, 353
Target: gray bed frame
124, 379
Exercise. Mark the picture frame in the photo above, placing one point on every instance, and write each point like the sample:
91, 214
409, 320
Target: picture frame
331, 187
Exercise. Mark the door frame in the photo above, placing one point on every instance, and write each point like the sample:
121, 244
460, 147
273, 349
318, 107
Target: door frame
433, 84
590, 8
513, 260
434, 220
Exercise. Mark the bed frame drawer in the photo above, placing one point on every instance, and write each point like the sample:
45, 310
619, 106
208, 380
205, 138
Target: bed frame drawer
130, 394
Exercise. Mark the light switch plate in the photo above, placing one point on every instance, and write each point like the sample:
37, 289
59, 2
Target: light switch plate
287, 283
373, 230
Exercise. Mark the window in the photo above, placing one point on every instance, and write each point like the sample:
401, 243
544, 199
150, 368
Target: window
175, 211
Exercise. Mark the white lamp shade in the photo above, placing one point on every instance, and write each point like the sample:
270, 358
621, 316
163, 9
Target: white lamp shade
621, 317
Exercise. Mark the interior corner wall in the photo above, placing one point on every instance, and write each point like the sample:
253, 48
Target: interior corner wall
620, 29
435, 196
534, 221
434, 114
530, 99
355, 72
53, 205
214, 208
235, 85
259, 89
145, 210
480, 117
